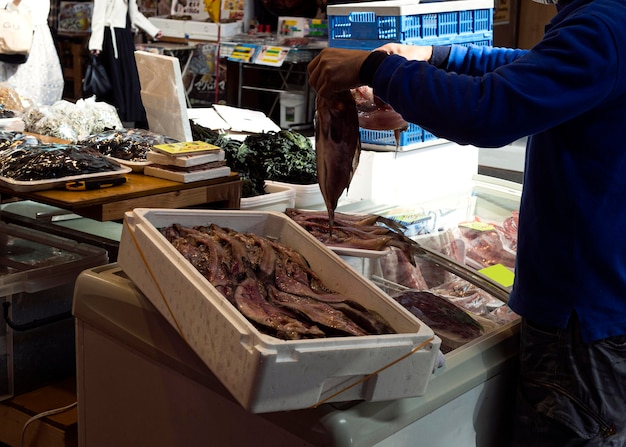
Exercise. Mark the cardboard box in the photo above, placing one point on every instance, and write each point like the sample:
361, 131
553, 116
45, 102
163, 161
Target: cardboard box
263, 373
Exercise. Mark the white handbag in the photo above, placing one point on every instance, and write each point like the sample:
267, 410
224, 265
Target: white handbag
16, 34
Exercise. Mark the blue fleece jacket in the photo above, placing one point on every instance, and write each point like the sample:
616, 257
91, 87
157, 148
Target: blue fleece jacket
568, 94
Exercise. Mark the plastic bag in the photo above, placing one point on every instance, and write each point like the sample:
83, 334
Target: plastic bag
10, 98
96, 81
16, 35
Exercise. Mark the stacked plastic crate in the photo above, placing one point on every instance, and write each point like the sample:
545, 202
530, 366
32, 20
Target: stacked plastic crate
368, 25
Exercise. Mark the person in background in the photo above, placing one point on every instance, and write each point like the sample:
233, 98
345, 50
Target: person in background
111, 40
568, 95
38, 81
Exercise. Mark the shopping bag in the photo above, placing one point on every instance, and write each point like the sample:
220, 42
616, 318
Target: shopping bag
16, 35
96, 81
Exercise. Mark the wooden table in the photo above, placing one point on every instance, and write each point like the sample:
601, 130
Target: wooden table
139, 191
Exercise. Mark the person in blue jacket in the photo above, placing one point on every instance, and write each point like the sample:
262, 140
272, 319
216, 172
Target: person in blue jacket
568, 95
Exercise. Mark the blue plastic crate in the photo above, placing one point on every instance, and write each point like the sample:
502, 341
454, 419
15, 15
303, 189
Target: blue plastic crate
369, 25
410, 138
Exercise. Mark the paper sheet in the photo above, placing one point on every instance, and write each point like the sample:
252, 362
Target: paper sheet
245, 120
208, 117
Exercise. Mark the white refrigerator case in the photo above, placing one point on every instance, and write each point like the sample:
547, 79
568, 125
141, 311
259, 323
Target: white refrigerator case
139, 384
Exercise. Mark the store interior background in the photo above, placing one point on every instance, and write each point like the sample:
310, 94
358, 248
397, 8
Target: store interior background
517, 23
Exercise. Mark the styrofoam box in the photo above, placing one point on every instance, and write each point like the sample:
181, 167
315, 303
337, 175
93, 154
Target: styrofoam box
263, 373
278, 198
169, 27
212, 31
413, 177
307, 196
192, 29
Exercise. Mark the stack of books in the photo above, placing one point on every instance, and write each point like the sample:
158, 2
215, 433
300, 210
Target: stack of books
187, 162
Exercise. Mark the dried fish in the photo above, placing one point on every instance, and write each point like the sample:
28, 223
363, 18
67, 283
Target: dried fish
454, 325
271, 284
337, 146
52, 161
375, 114
125, 144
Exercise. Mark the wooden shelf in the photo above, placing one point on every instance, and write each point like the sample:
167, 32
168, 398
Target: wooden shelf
74, 54
58, 430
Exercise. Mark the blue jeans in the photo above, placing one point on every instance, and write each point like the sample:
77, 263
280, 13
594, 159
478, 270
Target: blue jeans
570, 393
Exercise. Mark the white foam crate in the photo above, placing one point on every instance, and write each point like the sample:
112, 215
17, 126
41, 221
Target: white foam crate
212, 31
194, 29
169, 27
263, 373
278, 198
307, 196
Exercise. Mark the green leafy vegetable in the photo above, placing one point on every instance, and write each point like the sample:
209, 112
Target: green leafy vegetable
284, 156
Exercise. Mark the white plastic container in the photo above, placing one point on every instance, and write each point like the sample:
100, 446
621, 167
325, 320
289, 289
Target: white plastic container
263, 373
197, 28
169, 27
307, 196
293, 108
278, 198
204, 30
36, 284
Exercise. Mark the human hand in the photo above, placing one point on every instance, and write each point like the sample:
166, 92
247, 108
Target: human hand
95, 52
158, 35
409, 52
335, 70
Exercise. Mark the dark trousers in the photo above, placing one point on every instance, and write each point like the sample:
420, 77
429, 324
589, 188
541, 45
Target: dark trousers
570, 393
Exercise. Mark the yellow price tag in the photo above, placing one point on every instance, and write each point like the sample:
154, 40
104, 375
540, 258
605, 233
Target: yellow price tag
499, 274
480, 226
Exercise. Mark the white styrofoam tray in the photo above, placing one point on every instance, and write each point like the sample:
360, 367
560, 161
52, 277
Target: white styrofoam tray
306, 195
196, 29
212, 31
263, 373
52, 183
169, 27
278, 198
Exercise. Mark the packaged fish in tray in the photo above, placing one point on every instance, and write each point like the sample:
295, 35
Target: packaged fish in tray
265, 373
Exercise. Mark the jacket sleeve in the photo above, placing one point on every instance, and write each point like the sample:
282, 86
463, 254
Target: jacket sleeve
477, 60
490, 97
139, 20
98, 19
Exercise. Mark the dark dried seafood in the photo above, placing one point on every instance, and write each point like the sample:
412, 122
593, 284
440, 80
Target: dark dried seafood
6, 113
361, 231
375, 114
271, 284
52, 161
10, 139
454, 325
125, 144
337, 146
